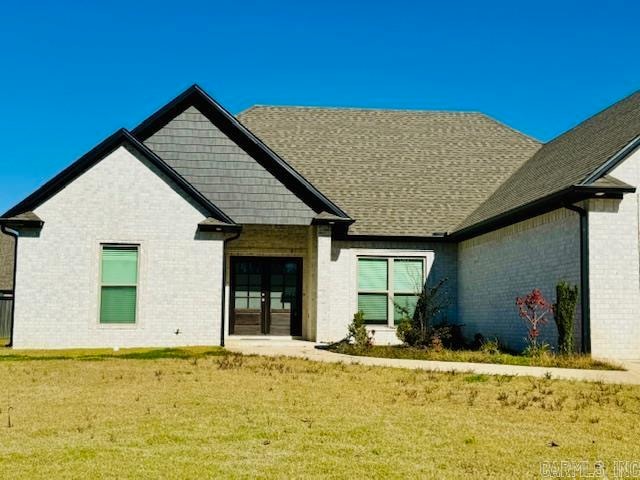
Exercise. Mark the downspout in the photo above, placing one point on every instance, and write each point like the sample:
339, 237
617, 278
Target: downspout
15, 235
585, 312
224, 286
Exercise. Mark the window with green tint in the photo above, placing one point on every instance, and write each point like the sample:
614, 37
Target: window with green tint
374, 307
405, 306
373, 289
408, 275
119, 284
373, 274
388, 287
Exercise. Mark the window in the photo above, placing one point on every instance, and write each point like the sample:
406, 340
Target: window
119, 284
373, 289
386, 283
408, 280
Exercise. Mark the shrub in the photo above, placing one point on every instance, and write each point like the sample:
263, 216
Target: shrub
478, 340
440, 337
537, 350
357, 333
490, 347
417, 328
533, 309
564, 312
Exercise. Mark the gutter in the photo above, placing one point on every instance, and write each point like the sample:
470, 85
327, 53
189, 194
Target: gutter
585, 311
15, 235
224, 289
569, 195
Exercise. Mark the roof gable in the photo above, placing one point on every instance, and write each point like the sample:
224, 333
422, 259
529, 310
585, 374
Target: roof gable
192, 106
225, 174
120, 138
579, 157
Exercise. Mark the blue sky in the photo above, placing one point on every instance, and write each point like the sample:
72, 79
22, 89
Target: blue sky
73, 72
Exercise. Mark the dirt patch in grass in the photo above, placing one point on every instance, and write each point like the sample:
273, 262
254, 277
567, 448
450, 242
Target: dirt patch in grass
230, 416
472, 356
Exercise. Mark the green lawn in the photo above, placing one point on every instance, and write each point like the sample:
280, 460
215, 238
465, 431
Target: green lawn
475, 356
204, 413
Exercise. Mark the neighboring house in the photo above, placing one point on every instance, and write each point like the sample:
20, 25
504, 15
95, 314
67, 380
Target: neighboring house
6, 263
197, 225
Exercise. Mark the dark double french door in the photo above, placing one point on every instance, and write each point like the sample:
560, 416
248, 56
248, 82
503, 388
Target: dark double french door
266, 296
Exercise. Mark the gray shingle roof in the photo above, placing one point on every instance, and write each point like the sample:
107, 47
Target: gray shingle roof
567, 160
396, 172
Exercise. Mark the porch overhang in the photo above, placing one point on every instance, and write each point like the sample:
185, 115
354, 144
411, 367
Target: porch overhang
214, 225
23, 220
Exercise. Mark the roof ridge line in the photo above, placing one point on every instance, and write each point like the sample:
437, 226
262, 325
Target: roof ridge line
373, 109
514, 130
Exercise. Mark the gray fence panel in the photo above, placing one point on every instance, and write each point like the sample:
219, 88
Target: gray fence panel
6, 304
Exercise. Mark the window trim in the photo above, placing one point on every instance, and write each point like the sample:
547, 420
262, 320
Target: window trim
390, 256
101, 247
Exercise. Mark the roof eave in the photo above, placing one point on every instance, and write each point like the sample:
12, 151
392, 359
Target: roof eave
612, 162
121, 137
206, 226
21, 223
435, 237
570, 195
333, 220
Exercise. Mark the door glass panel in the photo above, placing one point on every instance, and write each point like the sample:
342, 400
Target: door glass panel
247, 280
283, 292
254, 303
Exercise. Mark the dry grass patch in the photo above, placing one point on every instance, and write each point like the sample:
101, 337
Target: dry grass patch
206, 413
476, 356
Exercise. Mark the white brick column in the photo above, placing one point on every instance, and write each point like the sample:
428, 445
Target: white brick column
614, 278
323, 283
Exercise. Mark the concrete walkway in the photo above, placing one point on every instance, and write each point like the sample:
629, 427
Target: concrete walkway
275, 347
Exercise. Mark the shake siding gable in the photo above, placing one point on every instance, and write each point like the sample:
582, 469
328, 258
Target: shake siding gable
226, 174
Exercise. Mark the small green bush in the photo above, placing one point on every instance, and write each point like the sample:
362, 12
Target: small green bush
564, 314
537, 350
490, 347
357, 333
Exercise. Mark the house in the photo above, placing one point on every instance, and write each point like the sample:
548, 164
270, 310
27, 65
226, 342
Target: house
197, 225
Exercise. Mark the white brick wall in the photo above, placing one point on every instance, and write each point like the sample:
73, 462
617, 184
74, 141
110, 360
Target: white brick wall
123, 199
614, 270
343, 297
495, 268
118, 200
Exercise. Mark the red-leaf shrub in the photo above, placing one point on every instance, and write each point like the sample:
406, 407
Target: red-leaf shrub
533, 309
